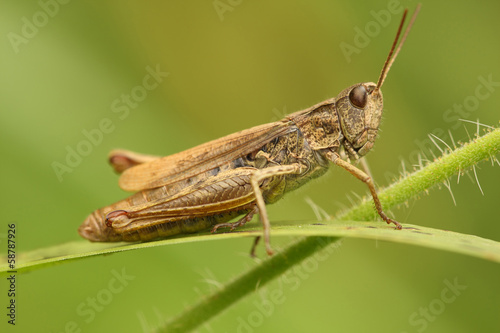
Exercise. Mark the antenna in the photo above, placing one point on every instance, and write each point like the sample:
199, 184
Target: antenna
390, 58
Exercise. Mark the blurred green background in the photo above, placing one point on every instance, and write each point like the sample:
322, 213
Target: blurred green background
248, 63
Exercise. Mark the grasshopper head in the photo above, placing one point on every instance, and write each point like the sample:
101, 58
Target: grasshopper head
359, 108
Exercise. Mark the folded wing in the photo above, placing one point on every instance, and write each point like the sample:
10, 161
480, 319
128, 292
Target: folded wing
192, 162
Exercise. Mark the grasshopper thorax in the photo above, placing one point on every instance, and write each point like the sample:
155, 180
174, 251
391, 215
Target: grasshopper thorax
359, 109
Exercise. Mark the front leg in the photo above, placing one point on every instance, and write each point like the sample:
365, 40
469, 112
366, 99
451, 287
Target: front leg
335, 158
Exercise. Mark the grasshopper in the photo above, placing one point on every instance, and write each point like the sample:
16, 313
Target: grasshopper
211, 184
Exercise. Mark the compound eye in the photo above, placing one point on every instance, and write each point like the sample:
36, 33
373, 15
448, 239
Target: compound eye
358, 96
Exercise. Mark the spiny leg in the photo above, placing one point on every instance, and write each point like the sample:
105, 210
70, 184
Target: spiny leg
259, 176
335, 158
241, 222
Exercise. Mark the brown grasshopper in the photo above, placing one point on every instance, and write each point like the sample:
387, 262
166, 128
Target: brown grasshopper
208, 185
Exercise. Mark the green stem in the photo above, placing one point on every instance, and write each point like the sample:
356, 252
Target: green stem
437, 172
434, 173
243, 285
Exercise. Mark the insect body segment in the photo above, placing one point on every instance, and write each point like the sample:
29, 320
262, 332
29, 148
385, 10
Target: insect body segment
209, 185
215, 198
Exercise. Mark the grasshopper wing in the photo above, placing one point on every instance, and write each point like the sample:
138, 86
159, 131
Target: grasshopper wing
192, 162
122, 160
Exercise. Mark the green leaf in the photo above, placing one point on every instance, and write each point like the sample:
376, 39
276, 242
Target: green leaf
411, 234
